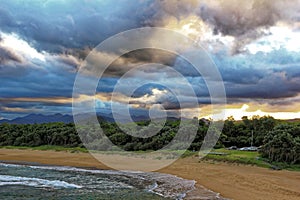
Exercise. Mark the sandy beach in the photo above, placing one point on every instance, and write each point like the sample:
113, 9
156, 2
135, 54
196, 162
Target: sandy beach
230, 180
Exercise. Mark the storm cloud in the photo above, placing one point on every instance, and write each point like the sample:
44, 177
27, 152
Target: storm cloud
246, 21
56, 26
254, 44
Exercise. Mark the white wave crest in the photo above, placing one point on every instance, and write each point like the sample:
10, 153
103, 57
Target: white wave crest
35, 182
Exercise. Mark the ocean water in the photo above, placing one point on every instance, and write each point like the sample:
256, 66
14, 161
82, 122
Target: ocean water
54, 182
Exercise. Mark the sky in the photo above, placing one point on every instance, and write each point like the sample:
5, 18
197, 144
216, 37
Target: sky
254, 44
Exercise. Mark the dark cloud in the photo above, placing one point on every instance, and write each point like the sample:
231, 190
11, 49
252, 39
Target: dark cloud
274, 85
69, 60
8, 72
29, 81
59, 25
7, 56
238, 18
246, 21
6, 19
68, 31
290, 72
263, 76
139, 57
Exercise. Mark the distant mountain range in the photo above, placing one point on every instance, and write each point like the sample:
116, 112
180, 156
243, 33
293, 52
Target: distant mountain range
106, 116
40, 118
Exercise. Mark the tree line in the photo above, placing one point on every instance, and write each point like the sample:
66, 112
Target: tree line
279, 140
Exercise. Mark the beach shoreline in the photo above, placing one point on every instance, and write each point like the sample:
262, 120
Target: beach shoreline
231, 181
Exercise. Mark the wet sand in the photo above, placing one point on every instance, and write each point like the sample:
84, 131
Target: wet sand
232, 181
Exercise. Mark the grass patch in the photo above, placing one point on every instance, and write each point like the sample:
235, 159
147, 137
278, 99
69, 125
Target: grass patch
235, 156
248, 158
294, 167
48, 148
189, 154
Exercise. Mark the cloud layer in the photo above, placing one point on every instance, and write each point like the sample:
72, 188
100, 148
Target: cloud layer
254, 44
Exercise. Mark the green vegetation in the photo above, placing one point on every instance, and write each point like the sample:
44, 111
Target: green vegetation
249, 158
49, 148
33, 135
282, 144
236, 156
279, 141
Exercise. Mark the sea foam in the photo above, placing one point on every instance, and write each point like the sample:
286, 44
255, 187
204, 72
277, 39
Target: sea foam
35, 182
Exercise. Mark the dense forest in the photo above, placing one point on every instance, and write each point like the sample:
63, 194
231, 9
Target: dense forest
279, 140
